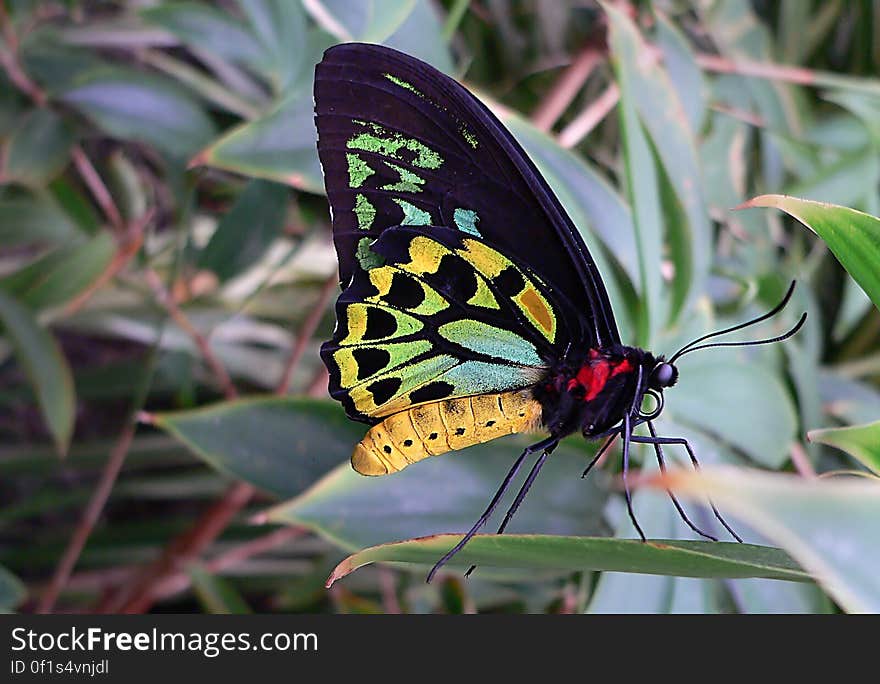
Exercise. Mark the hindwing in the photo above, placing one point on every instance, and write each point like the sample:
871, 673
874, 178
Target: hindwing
442, 314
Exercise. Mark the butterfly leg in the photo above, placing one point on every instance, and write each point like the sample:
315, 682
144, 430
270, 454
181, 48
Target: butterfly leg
683, 442
533, 473
601, 451
540, 446
627, 438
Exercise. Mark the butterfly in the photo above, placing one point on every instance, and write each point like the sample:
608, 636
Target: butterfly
470, 307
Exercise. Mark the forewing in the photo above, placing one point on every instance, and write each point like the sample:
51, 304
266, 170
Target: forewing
403, 144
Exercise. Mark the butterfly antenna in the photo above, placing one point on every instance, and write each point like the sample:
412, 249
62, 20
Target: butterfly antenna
750, 343
775, 310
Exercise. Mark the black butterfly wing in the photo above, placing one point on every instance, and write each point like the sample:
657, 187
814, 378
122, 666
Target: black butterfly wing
402, 144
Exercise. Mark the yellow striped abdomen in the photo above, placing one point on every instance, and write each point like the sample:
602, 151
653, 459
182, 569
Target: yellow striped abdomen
434, 429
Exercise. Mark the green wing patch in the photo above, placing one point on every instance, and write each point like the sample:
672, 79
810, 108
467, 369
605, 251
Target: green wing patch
384, 161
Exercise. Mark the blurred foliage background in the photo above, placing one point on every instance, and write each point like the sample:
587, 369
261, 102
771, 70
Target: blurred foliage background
165, 250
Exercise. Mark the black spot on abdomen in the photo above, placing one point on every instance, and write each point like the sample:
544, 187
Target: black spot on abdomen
370, 361
383, 390
433, 391
380, 324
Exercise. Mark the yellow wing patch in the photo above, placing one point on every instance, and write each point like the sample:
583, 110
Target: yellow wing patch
492, 264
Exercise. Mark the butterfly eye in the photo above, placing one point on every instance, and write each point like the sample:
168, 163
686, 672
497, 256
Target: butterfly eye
665, 375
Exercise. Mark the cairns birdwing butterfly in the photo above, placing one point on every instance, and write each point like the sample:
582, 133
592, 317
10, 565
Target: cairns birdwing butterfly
471, 307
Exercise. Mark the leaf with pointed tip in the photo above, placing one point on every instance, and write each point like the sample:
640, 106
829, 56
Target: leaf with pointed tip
545, 552
853, 237
247, 230
280, 444
131, 105
862, 442
45, 366
279, 146
62, 274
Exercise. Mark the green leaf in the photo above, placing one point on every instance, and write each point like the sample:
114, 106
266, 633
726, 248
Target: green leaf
684, 74
741, 35
862, 442
34, 220
282, 445
12, 106
132, 105
829, 526
641, 182
865, 107
45, 367
852, 236
12, 591
38, 148
62, 274
209, 29
280, 27
647, 90
279, 146
56, 66
246, 231
217, 595
734, 401
75, 206
447, 494
545, 552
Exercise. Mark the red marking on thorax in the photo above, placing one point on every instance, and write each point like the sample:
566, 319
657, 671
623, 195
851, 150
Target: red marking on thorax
593, 375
